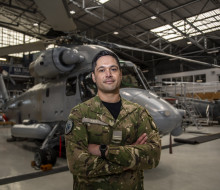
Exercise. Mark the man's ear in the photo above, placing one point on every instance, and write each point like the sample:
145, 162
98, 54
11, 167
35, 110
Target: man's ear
93, 77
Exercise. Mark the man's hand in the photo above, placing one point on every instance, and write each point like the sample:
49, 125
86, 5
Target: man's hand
94, 149
141, 140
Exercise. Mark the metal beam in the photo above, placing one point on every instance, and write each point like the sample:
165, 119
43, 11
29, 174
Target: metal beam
18, 8
17, 24
171, 24
185, 20
21, 15
122, 28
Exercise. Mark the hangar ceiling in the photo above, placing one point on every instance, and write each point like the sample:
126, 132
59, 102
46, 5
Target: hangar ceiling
190, 28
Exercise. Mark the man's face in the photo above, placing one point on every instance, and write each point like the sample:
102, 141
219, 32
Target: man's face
107, 75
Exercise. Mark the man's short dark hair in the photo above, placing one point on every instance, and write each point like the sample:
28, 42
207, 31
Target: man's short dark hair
101, 54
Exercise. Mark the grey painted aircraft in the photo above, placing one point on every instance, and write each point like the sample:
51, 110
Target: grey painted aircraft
64, 80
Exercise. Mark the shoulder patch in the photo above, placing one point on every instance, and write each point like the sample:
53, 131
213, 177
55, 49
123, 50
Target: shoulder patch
154, 125
69, 127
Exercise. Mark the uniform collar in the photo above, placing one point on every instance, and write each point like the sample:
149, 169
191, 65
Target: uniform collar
104, 115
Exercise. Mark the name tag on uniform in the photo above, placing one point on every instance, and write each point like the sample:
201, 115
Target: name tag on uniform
117, 136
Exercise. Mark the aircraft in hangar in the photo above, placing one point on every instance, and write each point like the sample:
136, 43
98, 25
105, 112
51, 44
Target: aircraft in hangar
64, 75
63, 80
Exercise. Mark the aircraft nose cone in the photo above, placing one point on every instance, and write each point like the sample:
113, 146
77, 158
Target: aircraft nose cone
164, 114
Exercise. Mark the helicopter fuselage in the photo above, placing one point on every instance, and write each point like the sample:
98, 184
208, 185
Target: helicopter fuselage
51, 100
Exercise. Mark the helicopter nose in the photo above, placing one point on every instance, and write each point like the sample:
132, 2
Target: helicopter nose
182, 112
166, 117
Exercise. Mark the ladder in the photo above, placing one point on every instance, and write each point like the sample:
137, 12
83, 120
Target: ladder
192, 114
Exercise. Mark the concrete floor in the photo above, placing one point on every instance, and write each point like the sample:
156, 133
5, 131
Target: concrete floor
190, 167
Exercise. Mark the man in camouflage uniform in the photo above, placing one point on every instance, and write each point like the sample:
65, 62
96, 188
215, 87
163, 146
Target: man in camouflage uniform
109, 140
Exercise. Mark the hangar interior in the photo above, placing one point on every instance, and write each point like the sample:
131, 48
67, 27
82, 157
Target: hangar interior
175, 44
186, 28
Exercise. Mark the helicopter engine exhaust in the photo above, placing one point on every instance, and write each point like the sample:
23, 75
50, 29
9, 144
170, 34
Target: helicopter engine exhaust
53, 62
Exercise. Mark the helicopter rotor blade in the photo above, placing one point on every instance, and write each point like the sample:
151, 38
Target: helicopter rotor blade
118, 46
164, 54
35, 46
64, 22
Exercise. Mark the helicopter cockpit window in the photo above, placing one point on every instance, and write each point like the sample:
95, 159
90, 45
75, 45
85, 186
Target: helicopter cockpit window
87, 86
71, 86
130, 78
144, 79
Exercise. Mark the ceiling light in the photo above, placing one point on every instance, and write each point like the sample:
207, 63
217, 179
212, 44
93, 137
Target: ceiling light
189, 43
35, 24
72, 12
103, 1
153, 17
115, 33
3, 59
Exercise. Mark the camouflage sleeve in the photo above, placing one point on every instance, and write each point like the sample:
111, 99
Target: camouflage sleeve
80, 161
145, 156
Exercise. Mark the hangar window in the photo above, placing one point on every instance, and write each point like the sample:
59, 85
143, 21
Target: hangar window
188, 79
71, 86
9, 38
87, 86
200, 78
166, 81
191, 26
176, 79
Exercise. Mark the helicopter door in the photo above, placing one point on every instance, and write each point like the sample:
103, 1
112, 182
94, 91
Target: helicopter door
87, 86
71, 86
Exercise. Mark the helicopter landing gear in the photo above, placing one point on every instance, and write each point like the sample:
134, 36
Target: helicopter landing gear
46, 156
44, 159
12, 139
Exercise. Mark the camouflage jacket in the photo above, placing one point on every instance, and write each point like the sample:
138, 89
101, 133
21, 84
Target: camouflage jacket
124, 164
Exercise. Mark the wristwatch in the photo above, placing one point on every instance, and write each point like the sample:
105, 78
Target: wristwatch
103, 149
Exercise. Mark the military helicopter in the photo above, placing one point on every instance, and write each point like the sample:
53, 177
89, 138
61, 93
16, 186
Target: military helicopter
64, 80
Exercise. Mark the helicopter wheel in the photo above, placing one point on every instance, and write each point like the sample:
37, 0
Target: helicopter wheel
45, 156
53, 156
40, 158
12, 139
